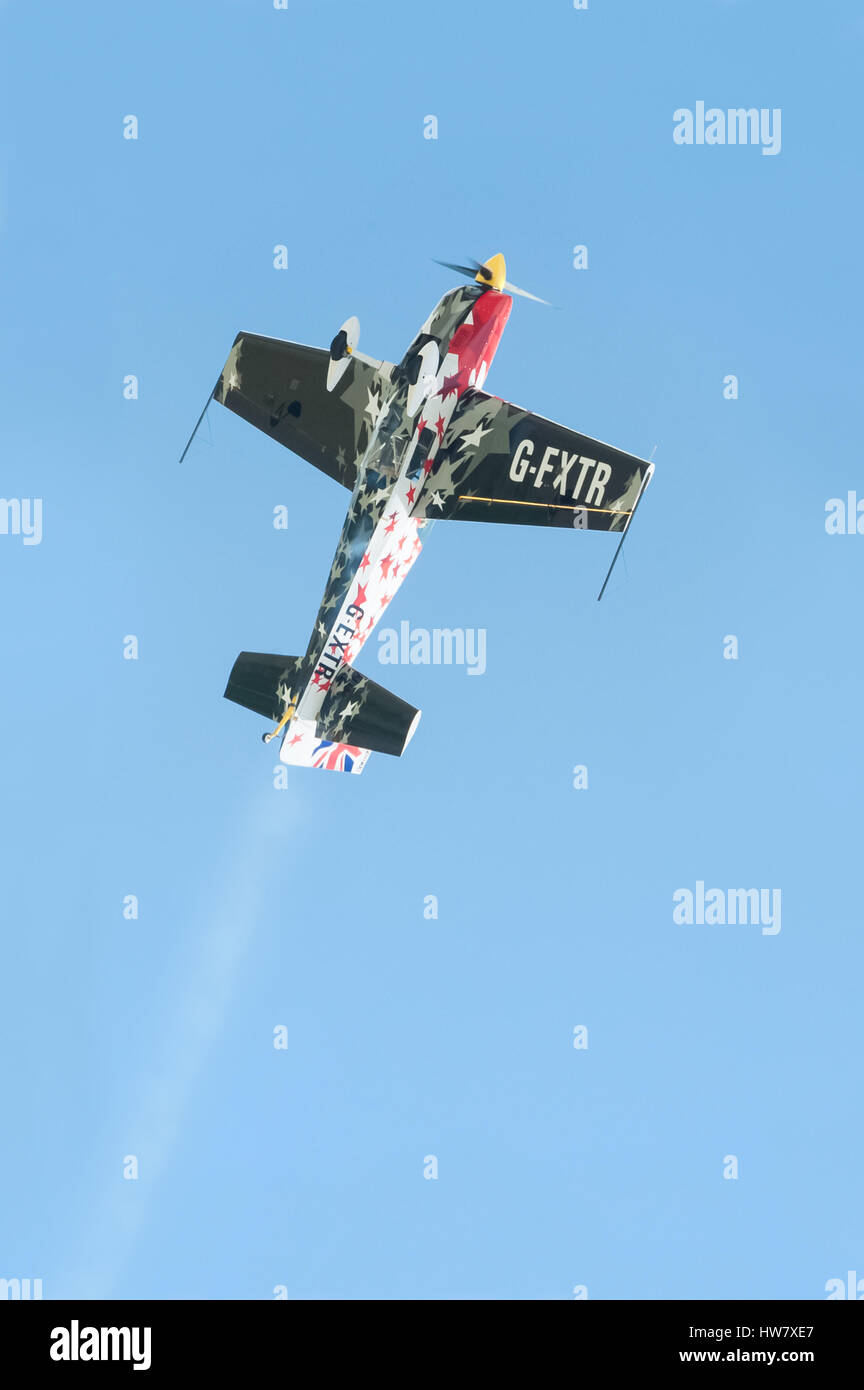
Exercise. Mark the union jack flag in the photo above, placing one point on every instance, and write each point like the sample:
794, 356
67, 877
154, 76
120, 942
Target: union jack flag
335, 757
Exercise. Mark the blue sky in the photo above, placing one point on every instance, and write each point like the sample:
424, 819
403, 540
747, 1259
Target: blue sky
304, 906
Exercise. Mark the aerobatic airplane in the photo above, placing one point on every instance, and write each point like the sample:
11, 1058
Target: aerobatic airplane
413, 443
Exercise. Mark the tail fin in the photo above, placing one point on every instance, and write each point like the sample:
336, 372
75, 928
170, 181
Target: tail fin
266, 683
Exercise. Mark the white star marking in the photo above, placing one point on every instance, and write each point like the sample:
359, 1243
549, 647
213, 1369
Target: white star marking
472, 440
373, 408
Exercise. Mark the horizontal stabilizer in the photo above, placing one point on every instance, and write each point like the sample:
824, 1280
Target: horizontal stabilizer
358, 711
266, 683
357, 716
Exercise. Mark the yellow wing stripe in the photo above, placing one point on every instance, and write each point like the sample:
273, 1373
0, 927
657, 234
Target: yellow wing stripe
557, 506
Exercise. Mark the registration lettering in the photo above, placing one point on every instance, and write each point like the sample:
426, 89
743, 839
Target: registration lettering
588, 480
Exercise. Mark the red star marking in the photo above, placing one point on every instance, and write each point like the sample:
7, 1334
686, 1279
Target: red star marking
450, 387
395, 570
440, 425
421, 425
385, 564
428, 466
402, 540
364, 563
392, 526
411, 494
361, 596
298, 738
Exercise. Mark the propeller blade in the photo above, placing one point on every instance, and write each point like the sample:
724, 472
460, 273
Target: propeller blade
477, 268
514, 289
462, 269
474, 269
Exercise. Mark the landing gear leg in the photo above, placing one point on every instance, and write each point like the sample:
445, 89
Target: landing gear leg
289, 714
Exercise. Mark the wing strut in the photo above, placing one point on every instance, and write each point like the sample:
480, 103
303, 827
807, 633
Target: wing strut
198, 426
645, 481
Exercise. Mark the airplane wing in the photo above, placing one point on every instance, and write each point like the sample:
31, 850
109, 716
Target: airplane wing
281, 388
498, 462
